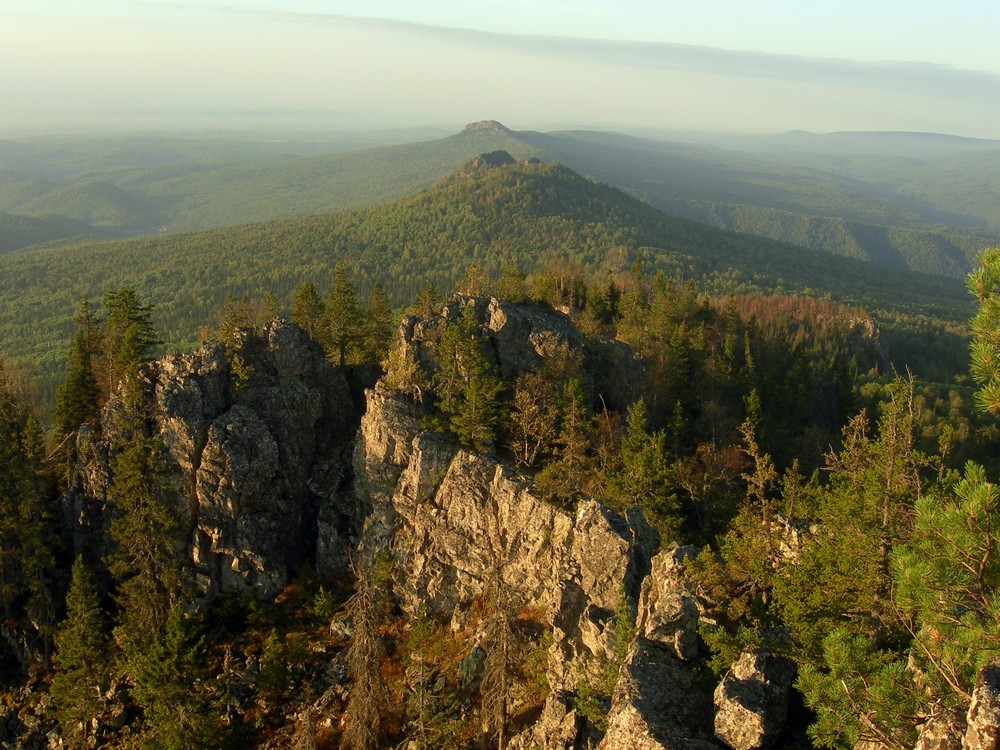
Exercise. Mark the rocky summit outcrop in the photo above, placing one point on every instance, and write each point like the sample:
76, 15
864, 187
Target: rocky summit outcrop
261, 463
983, 720
451, 521
752, 700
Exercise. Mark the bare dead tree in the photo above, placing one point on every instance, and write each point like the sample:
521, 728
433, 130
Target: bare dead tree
363, 725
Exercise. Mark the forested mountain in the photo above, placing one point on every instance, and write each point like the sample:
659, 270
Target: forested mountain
24, 231
915, 201
494, 212
608, 473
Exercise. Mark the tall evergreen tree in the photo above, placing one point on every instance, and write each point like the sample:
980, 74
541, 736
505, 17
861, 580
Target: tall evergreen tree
81, 659
363, 728
343, 316
146, 535
571, 473
129, 336
309, 310
467, 387
26, 512
170, 686
77, 397
378, 326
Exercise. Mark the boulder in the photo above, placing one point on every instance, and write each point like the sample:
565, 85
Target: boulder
751, 702
983, 719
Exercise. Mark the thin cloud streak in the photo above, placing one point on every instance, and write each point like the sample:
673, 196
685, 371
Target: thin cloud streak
917, 78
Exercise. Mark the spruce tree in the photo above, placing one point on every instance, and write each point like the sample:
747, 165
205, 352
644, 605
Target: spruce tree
467, 386
309, 310
77, 397
26, 508
81, 659
343, 317
129, 336
378, 326
571, 473
171, 687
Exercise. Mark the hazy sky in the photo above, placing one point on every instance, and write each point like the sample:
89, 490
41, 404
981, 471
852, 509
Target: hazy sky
721, 65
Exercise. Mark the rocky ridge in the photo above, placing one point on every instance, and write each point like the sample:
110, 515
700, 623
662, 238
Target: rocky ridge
259, 468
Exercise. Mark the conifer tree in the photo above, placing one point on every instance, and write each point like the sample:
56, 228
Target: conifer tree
570, 474
499, 667
146, 534
309, 310
77, 397
172, 688
81, 659
362, 723
984, 285
129, 336
645, 478
343, 317
378, 326
26, 512
467, 387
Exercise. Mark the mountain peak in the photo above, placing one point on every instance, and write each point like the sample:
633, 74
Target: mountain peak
488, 125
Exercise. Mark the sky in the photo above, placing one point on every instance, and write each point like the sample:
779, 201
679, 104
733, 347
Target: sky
631, 65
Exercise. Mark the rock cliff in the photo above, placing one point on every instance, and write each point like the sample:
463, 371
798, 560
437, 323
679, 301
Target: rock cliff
260, 466
450, 520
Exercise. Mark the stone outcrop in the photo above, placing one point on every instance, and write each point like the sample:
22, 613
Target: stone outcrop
983, 732
943, 731
656, 703
261, 467
451, 520
752, 700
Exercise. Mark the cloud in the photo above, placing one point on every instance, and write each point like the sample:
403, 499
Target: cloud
915, 78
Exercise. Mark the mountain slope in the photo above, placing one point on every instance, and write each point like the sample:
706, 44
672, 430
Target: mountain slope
523, 213
918, 201
17, 232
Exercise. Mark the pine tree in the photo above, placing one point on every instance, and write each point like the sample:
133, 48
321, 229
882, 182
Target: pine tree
467, 387
984, 285
309, 310
171, 687
946, 576
343, 317
81, 659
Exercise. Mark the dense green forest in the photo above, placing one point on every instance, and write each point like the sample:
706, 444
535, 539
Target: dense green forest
525, 214
743, 409
768, 394
908, 200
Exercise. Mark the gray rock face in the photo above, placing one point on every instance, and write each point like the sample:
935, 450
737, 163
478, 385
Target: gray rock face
752, 701
260, 469
656, 704
452, 520
983, 731
942, 732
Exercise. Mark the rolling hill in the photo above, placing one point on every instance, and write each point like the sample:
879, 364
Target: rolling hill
18, 232
491, 211
907, 200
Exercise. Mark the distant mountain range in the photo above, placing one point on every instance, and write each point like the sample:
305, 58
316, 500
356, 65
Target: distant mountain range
492, 211
918, 201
